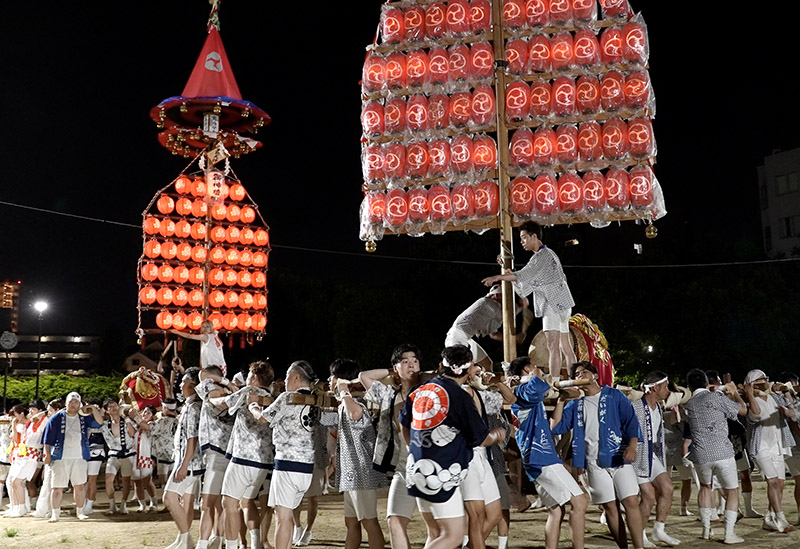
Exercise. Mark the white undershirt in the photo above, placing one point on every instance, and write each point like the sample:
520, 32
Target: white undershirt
591, 427
72, 437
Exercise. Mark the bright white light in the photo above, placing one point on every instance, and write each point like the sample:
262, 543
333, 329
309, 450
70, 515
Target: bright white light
649, 348
40, 306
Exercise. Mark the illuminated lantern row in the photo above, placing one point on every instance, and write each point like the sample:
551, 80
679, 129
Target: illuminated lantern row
205, 255
570, 197
400, 209
416, 161
435, 21
457, 66
398, 117
594, 144
586, 96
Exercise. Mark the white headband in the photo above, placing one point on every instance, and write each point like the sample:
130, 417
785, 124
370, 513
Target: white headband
458, 370
649, 386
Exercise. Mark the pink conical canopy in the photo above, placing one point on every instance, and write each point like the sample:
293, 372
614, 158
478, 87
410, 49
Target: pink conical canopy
212, 75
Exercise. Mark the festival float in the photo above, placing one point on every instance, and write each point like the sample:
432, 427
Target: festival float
482, 114
205, 245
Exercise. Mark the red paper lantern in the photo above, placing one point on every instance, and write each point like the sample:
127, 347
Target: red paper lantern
611, 40
217, 233
480, 16
521, 148
460, 109
216, 276
373, 76
634, 47
615, 139
164, 295
183, 229
184, 251
149, 271
179, 298
439, 111
417, 113
640, 138
484, 153
594, 195
196, 275
418, 207
570, 192
183, 206
463, 199
441, 207
560, 12
152, 248
194, 321
372, 163
483, 107
232, 256
564, 93
612, 92
435, 20
417, 68
539, 54
521, 196
395, 115
244, 279
216, 298
199, 254
237, 192
516, 55
587, 95
164, 320
261, 238
457, 17
151, 225
244, 322
394, 67
584, 11
414, 22
537, 13
179, 320
169, 249
590, 141
481, 61
439, 157
567, 144
544, 147
231, 299
165, 204
586, 48
199, 187
259, 279
246, 258
229, 321
199, 208
180, 274
260, 301
372, 117
561, 51
167, 227
246, 300
637, 90
234, 213
458, 62
545, 195
615, 8
183, 185
514, 14
541, 98
217, 255
487, 199
393, 26
438, 65
417, 159
219, 212
518, 97
461, 148
641, 186
216, 320
396, 208
248, 215
616, 185
147, 295
394, 160
259, 322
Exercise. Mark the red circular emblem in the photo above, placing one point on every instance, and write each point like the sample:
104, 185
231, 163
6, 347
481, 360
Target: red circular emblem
431, 405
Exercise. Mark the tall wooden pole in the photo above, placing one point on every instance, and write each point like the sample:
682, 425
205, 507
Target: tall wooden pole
506, 257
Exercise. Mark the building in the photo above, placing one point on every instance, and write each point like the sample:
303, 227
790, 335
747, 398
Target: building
9, 305
73, 355
779, 191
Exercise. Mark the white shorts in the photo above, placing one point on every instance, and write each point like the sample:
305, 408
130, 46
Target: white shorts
610, 483
66, 471
556, 322
361, 504
771, 465
141, 473
216, 465
22, 467
555, 486
398, 502
242, 481
187, 486
287, 488
164, 467
317, 483
793, 464
452, 508
479, 483
724, 470
123, 466
93, 468
656, 468
459, 337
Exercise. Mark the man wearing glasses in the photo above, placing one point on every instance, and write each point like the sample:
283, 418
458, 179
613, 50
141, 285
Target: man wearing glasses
605, 433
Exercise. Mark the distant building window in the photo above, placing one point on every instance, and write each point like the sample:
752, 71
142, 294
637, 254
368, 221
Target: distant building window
768, 238
788, 183
789, 226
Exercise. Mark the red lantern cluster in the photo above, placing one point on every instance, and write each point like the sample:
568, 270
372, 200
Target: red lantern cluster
434, 21
205, 255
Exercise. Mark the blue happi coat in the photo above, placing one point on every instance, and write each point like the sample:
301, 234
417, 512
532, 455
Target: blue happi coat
54, 434
618, 424
533, 436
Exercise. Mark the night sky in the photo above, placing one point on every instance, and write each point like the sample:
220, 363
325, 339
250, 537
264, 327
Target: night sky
76, 135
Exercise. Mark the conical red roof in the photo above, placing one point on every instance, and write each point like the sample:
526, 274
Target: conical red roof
212, 75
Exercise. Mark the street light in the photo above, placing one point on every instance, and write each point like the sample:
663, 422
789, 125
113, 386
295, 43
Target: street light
41, 307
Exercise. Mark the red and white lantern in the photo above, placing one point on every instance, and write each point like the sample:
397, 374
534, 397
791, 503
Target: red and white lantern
640, 138
484, 109
570, 192
567, 144
521, 196
418, 207
521, 148
616, 184
539, 54
615, 139
612, 91
518, 101
640, 186
463, 199
487, 199
396, 208
594, 195
545, 190
516, 55
541, 99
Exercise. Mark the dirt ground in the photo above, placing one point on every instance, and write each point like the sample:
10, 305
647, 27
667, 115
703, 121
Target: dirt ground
527, 529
